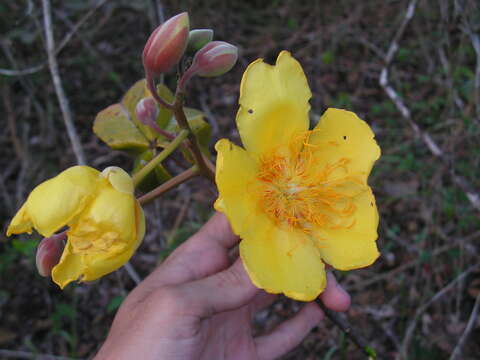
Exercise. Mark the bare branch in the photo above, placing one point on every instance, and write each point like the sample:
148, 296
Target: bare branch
27, 71
341, 322
411, 327
66, 39
472, 195
133, 273
57, 82
457, 352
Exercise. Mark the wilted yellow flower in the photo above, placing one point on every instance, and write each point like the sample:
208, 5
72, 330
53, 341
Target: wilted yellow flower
105, 221
296, 196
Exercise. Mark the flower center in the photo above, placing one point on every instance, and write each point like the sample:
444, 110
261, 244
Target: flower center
297, 190
88, 238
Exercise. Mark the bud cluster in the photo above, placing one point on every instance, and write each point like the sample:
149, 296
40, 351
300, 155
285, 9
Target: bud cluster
172, 39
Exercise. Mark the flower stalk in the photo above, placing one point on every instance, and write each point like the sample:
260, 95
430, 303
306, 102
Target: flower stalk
194, 146
173, 182
139, 176
153, 90
343, 324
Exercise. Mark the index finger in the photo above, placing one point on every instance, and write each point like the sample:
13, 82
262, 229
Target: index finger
204, 254
216, 232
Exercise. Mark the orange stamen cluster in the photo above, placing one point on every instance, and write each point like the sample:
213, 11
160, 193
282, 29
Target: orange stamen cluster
296, 191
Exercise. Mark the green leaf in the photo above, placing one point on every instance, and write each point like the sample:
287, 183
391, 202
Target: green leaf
115, 303
199, 126
114, 127
328, 57
26, 247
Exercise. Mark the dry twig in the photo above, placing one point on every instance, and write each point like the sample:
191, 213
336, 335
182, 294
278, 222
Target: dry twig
340, 321
471, 193
133, 273
408, 265
57, 82
66, 39
457, 352
411, 327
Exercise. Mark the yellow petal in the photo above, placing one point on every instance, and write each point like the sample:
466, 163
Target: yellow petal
342, 134
53, 203
355, 247
20, 223
70, 268
140, 224
119, 179
273, 104
109, 223
104, 263
235, 173
280, 261
91, 266
106, 233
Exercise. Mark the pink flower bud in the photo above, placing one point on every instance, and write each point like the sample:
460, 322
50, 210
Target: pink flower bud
49, 252
214, 59
198, 38
166, 45
147, 111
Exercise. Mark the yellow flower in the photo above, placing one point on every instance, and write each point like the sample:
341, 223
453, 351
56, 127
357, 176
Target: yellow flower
296, 196
105, 221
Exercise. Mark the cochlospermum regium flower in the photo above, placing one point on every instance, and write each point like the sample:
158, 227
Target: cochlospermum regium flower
298, 198
105, 222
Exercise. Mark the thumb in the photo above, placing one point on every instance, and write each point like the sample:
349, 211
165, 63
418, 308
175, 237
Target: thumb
223, 291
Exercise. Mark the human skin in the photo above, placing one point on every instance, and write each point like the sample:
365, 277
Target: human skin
198, 305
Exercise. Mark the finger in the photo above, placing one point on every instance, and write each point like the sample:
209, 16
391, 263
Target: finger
334, 296
224, 291
205, 253
289, 333
217, 231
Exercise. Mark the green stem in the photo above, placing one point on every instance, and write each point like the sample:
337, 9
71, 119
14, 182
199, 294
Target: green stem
195, 148
173, 182
138, 177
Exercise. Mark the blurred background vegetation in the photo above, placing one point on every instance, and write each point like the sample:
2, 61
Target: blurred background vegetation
417, 300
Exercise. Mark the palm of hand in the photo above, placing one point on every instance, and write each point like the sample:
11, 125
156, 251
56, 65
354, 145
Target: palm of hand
196, 305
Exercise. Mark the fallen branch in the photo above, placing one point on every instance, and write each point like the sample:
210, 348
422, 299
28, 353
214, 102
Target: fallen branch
36, 68
411, 327
472, 195
457, 352
57, 82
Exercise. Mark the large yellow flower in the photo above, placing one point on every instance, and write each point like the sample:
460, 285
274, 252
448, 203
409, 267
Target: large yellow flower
105, 222
296, 196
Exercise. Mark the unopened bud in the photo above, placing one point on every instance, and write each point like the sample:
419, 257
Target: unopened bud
147, 111
198, 38
166, 45
49, 252
214, 59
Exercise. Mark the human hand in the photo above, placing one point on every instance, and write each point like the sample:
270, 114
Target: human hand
197, 305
